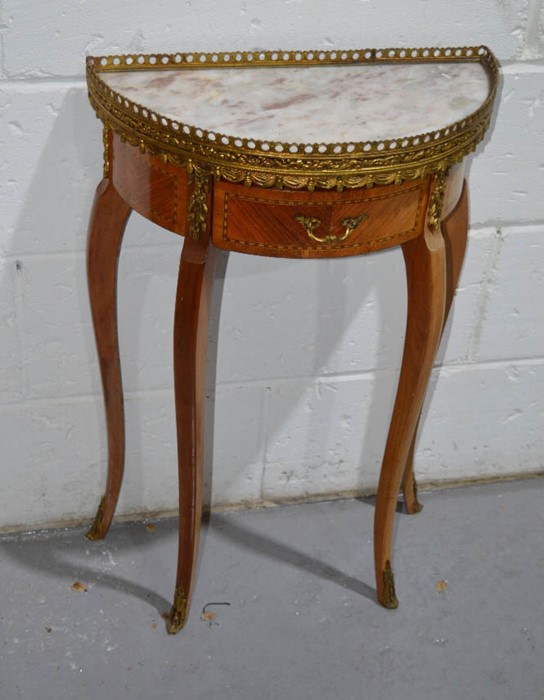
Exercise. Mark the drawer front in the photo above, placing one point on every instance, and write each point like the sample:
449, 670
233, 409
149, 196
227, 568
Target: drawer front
317, 224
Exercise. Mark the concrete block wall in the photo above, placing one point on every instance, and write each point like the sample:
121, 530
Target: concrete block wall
304, 378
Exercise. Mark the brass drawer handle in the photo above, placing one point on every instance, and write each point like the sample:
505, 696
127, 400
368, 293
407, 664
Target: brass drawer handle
310, 223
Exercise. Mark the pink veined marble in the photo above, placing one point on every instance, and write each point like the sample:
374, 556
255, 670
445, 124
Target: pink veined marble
316, 104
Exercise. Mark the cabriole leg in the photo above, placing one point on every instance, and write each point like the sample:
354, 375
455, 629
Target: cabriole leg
426, 279
106, 227
454, 231
190, 335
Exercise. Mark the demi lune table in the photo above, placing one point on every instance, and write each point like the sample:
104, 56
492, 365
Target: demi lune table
299, 154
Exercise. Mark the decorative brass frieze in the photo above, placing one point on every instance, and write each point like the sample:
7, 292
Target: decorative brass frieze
288, 165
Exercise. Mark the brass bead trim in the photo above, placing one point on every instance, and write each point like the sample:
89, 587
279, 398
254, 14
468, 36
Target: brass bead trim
291, 165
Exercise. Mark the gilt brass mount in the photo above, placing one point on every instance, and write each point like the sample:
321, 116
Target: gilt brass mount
310, 223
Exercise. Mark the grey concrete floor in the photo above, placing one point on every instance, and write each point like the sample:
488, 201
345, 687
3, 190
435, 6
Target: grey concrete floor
301, 621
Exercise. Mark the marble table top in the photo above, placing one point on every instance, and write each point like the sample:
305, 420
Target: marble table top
312, 104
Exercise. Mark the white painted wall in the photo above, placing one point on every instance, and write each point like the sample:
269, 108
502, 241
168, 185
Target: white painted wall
309, 350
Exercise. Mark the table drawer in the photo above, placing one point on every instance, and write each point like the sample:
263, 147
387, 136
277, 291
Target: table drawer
317, 224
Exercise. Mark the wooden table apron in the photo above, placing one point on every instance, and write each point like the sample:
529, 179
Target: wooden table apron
295, 199
160, 192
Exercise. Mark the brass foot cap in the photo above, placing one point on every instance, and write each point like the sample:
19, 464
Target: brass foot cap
414, 508
389, 598
94, 534
390, 603
97, 531
175, 621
